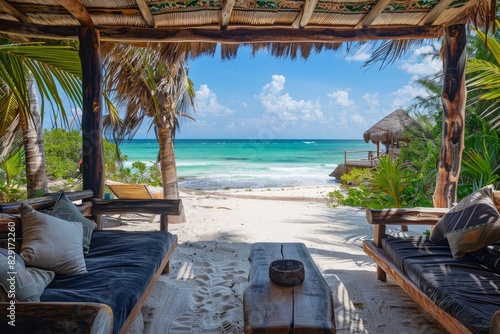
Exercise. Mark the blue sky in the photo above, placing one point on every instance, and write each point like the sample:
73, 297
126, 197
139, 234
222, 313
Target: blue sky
328, 96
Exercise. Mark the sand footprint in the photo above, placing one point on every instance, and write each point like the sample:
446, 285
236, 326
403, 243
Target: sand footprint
215, 306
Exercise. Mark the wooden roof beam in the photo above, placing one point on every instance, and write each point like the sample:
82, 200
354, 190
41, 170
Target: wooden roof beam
78, 11
435, 12
225, 13
14, 12
283, 34
305, 14
373, 14
146, 13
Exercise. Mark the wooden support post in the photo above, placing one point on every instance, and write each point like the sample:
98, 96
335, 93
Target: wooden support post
454, 97
92, 152
379, 232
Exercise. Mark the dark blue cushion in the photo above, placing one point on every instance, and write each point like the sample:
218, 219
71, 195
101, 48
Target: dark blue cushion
120, 266
463, 287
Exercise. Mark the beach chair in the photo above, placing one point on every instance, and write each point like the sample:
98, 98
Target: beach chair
132, 191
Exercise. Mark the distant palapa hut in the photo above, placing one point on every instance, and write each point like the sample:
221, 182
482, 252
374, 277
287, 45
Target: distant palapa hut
391, 130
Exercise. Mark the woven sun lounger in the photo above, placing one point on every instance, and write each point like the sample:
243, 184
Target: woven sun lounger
132, 191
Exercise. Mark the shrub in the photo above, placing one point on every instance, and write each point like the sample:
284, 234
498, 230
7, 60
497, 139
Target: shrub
355, 177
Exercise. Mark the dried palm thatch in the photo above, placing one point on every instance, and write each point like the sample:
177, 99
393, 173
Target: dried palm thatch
285, 28
391, 128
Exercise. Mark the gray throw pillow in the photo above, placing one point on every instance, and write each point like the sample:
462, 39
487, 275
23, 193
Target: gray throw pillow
470, 225
67, 210
51, 243
24, 284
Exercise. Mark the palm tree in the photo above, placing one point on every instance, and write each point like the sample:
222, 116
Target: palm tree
146, 86
484, 78
27, 69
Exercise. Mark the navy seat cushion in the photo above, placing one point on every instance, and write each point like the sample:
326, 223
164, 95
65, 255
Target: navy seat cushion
120, 265
465, 288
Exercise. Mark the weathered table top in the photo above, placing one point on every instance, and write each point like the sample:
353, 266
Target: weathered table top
271, 308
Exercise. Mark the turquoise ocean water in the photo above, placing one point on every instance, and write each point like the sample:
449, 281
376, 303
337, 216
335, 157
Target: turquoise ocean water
218, 163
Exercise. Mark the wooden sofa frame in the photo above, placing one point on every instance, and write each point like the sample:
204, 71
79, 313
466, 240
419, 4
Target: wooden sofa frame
92, 317
373, 248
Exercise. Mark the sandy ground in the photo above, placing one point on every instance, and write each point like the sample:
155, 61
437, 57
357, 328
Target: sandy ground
209, 269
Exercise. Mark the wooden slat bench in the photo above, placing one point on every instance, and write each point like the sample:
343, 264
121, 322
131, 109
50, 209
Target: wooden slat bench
271, 308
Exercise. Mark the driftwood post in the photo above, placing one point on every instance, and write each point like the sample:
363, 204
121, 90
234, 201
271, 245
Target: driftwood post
92, 152
454, 98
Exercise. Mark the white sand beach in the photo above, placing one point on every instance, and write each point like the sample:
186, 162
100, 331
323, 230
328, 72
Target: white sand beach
209, 269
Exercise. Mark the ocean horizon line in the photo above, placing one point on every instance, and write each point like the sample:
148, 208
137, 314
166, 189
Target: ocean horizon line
256, 139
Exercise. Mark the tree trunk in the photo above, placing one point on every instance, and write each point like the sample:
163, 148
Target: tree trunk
36, 175
454, 98
169, 170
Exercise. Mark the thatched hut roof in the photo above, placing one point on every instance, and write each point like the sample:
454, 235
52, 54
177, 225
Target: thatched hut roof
390, 128
284, 27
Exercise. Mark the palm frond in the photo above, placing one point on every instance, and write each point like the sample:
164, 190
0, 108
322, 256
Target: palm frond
55, 69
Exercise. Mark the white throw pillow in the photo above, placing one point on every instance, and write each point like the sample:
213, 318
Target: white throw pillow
51, 243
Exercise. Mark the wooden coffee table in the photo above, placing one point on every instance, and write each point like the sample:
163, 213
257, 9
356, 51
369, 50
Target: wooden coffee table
271, 308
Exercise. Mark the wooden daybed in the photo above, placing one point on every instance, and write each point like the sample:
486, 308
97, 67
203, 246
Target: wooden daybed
122, 268
389, 261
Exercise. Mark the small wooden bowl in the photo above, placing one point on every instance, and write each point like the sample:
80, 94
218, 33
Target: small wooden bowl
286, 272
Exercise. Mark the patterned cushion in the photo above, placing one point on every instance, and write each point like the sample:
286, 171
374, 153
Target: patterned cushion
471, 224
51, 243
65, 209
21, 283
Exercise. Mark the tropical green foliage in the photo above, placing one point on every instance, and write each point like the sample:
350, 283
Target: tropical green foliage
388, 184
480, 165
139, 172
63, 151
30, 72
55, 69
354, 196
355, 177
484, 77
11, 171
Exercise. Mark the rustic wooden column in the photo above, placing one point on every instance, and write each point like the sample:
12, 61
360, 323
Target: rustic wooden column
454, 97
93, 160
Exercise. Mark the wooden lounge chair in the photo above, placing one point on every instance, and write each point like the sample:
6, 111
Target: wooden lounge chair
132, 191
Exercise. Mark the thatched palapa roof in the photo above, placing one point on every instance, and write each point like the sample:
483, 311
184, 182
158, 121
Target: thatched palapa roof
283, 26
390, 128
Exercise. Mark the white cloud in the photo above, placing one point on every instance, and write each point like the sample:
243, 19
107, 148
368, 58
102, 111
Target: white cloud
230, 126
199, 126
373, 101
283, 106
207, 104
358, 119
422, 64
340, 98
359, 56
405, 96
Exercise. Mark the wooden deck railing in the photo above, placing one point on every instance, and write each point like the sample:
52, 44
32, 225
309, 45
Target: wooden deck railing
364, 158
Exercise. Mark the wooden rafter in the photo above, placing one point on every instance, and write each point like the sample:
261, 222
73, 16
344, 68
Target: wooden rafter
373, 14
14, 12
225, 13
146, 13
229, 36
435, 12
78, 11
305, 14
